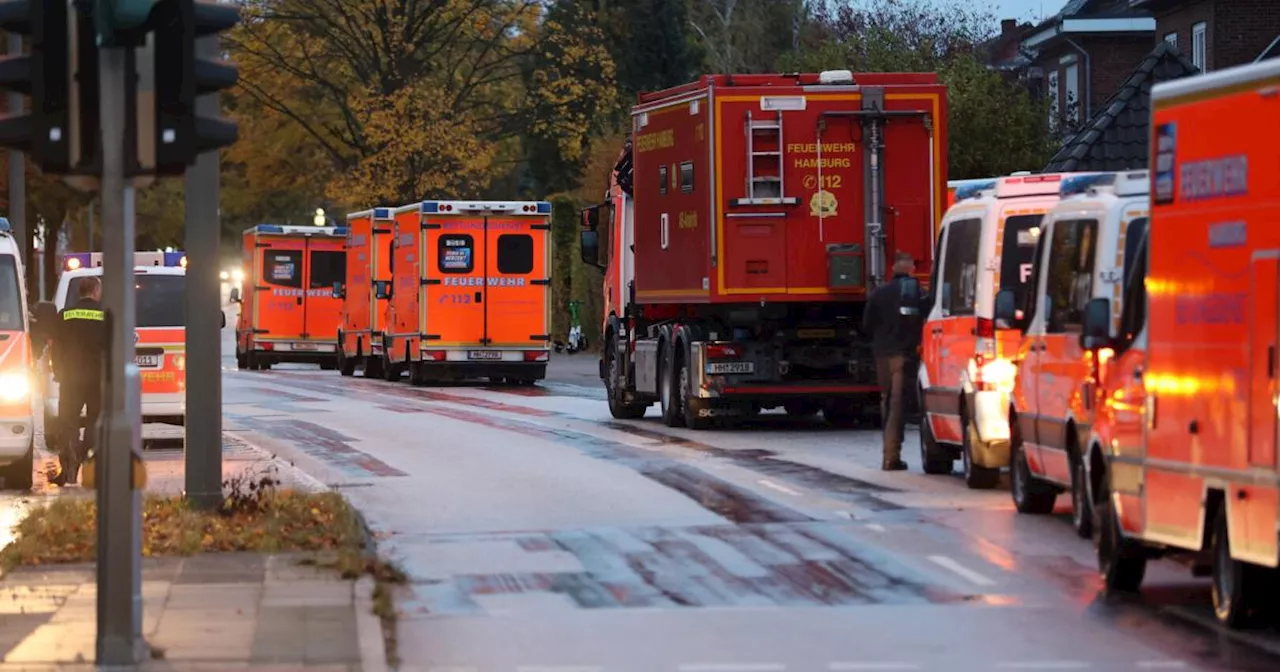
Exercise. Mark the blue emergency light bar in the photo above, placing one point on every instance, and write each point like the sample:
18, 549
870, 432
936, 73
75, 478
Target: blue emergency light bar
972, 190
382, 213
175, 258
511, 207
302, 230
74, 261
1079, 184
5, 225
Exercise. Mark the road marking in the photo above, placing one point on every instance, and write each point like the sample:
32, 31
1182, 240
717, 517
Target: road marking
732, 667
972, 576
1045, 665
877, 527
1161, 664
841, 667
560, 668
780, 488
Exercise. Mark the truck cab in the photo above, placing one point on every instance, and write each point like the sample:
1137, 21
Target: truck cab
1086, 250
986, 244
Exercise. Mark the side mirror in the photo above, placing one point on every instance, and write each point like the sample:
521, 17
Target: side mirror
382, 289
1097, 324
589, 241
235, 295
910, 297
339, 290
1006, 312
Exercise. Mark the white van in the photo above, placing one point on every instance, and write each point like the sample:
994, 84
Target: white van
16, 416
1086, 251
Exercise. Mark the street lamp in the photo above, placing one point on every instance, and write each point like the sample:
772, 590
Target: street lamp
319, 219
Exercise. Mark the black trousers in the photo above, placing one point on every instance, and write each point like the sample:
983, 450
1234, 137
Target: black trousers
74, 396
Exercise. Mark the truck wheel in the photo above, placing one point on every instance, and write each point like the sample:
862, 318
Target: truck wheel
690, 404
242, 362
19, 475
668, 393
390, 371
346, 365
936, 459
1081, 510
618, 406
1121, 561
1030, 494
1241, 590
841, 413
372, 366
976, 477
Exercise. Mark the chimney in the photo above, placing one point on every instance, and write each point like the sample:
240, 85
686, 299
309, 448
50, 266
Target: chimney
1008, 27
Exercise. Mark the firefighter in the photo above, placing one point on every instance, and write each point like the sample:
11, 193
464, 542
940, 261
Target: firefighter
893, 320
79, 350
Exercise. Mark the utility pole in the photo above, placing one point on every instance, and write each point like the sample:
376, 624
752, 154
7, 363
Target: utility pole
119, 640
17, 169
203, 430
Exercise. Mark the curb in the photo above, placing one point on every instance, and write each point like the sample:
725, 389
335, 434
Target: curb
280, 451
373, 649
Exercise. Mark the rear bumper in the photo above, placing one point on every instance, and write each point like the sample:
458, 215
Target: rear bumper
302, 352
15, 438
497, 369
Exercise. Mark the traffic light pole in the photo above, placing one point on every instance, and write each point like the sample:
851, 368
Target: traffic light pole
119, 640
204, 310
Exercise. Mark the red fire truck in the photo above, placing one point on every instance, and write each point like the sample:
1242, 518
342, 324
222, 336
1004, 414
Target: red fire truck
745, 223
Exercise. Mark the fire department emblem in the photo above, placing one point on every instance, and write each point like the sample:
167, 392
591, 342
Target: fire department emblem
823, 204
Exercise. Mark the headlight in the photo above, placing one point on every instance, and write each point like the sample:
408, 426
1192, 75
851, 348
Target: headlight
14, 386
237, 275
224, 275
997, 374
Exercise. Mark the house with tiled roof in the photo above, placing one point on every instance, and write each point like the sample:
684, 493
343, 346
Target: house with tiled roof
1085, 52
1116, 137
1217, 34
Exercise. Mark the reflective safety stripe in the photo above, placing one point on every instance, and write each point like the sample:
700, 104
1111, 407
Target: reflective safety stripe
82, 314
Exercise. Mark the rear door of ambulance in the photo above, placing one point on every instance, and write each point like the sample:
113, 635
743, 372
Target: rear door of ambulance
380, 269
358, 284
326, 265
486, 276
279, 311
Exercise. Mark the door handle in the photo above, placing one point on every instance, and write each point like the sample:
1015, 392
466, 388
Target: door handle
299, 300
1137, 374
479, 297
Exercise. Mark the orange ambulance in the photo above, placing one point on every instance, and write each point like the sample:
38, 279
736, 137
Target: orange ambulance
471, 292
364, 291
1086, 251
288, 312
1183, 455
986, 244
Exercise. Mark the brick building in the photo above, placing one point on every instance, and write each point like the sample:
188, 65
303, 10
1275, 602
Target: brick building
1217, 34
1085, 52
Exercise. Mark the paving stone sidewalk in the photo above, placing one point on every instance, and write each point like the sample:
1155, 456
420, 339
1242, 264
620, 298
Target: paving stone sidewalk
209, 612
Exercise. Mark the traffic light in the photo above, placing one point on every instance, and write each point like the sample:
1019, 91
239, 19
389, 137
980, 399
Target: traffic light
181, 76
122, 22
43, 74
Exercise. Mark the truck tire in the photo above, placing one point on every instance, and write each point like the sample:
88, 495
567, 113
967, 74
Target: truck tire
372, 367
841, 413
19, 475
618, 406
668, 390
936, 459
1030, 494
346, 365
1121, 562
242, 362
690, 404
1081, 509
1241, 590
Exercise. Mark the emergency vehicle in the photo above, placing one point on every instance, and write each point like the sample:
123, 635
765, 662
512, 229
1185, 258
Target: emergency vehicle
160, 351
16, 417
288, 310
365, 307
745, 222
987, 244
1183, 457
965, 188
470, 292
1086, 250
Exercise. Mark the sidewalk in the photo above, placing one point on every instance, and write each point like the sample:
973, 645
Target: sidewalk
215, 611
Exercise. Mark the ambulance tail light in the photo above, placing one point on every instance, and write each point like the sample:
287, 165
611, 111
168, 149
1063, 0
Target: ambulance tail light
986, 328
268, 346
536, 355
180, 362
434, 355
725, 351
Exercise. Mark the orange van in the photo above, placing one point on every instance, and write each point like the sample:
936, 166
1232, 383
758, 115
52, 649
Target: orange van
363, 291
471, 292
1183, 455
288, 312
986, 243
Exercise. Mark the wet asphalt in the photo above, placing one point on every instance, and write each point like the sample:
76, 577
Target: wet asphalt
541, 534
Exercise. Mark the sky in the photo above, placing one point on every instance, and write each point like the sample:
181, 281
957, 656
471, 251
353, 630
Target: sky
1027, 10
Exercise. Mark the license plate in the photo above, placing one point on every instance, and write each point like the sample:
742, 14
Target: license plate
484, 354
304, 346
147, 361
716, 368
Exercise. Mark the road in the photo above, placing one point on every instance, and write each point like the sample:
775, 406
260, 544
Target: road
540, 534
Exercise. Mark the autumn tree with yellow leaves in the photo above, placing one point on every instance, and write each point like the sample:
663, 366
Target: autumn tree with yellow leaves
419, 98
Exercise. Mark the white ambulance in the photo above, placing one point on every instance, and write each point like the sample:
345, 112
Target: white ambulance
16, 416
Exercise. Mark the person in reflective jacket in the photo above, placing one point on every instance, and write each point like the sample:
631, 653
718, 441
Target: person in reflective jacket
893, 319
79, 349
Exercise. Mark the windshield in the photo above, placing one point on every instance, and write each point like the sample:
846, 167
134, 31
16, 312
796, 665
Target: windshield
10, 295
161, 299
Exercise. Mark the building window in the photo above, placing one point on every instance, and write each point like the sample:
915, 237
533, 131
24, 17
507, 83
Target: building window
1053, 100
1200, 46
1073, 102
1172, 39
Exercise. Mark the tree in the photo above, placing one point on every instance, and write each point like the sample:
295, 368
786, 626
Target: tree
423, 96
747, 35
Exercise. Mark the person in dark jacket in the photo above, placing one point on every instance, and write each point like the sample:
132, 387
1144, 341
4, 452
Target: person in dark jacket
79, 350
893, 319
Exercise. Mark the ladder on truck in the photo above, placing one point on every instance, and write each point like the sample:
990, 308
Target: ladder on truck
765, 180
